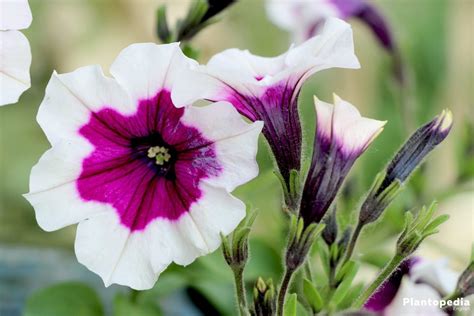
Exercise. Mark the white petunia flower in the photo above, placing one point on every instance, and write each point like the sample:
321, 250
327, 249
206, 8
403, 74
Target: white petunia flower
148, 183
15, 54
267, 89
304, 18
342, 135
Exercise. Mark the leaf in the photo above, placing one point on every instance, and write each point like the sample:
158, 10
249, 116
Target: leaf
124, 307
312, 296
68, 298
346, 283
290, 306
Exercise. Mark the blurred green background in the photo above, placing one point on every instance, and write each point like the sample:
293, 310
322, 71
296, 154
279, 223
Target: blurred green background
435, 38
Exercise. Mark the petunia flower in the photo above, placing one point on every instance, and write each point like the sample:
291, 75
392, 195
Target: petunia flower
15, 54
267, 89
342, 135
417, 279
147, 182
303, 18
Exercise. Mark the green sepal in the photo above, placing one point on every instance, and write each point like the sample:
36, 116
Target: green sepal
312, 295
343, 289
290, 305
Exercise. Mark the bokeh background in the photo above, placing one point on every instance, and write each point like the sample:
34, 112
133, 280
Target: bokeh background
437, 47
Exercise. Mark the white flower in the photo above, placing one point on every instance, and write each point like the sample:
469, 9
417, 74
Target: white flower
304, 18
267, 89
342, 135
413, 289
148, 183
15, 54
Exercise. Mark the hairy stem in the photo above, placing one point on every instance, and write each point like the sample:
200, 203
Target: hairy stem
352, 243
283, 290
374, 286
240, 289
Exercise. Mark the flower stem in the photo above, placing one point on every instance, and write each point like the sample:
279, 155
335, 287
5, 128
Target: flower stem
240, 289
283, 290
352, 243
384, 274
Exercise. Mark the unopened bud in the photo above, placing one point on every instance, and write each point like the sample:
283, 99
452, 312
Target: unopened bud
465, 285
330, 231
417, 229
301, 239
264, 298
416, 148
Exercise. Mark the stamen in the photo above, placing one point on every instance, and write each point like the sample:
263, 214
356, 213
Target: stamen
160, 154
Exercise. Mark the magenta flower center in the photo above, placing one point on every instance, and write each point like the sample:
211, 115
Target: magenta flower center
147, 165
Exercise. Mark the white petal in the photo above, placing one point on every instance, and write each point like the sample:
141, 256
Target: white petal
71, 97
236, 141
15, 61
333, 47
53, 192
195, 233
418, 292
109, 249
14, 14
144, 69
300, 16
352, 131
195, 84
237, 66
435, 273
324, 113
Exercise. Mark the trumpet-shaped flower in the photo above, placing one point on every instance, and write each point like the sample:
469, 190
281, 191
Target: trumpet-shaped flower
303, 18
267, 89
418, 279
15, 55
148, 183
342, 135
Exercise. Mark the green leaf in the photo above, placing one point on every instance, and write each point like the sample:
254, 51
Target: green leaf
124, 307
68, 298
345, 285
290, 306
312, 296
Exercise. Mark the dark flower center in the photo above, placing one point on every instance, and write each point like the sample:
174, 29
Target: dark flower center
156, 153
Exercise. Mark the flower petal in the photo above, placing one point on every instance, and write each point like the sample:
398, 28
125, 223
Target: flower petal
197, 232
146, 68
333, 47
351, 131
70, 98
15, 61
53, 179
324, 114
417, 292
15, 15
113, 252
235, 141
437, 274
136, 259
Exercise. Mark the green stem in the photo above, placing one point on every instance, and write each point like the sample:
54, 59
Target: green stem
240, 289
283, 290
384, 274
352, 243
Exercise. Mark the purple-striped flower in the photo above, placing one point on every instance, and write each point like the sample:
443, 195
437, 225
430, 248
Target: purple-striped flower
342, 135
303, 18
15, 54
416, 279
267, 89
148, 182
